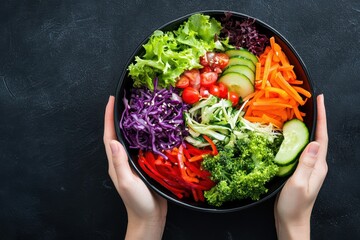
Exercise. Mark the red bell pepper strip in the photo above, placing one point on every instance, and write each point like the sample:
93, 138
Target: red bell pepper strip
212, 144
181, 165
148, 169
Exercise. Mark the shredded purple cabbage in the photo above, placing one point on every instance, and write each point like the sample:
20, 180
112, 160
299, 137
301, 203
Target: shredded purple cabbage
153, 120
243, 34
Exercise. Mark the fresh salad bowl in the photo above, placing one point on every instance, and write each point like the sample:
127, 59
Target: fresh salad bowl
229, 95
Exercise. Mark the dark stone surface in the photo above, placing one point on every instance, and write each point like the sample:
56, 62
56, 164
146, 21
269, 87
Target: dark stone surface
59, 62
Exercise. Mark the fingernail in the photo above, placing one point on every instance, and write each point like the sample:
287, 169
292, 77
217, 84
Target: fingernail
114, 147
313, 149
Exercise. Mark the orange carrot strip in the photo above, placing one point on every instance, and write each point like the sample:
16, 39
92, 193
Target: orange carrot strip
258, 71
274, 67
296, 82
297, 113
302, 91
196, 158
286, 68
272, 120
284, 60
279, 91
272, 104
272, 42
266, 69
288, 88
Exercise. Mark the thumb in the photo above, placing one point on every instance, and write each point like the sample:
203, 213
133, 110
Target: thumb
120, 161
307, 161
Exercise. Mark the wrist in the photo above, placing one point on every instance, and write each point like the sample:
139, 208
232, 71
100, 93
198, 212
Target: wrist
293, 230
149, 229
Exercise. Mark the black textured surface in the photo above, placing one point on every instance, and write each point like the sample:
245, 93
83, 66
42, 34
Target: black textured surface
60, 60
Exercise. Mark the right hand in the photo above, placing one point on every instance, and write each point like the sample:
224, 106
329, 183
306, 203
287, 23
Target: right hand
296, 200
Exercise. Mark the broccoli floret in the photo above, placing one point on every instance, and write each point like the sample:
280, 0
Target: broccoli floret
243, 170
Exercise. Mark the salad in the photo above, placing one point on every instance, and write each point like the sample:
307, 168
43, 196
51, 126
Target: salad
215, 110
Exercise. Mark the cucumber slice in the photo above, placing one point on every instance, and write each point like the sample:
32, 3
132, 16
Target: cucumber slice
243, 70
296, 136
286, 170
241, 61
242, 53
237, 83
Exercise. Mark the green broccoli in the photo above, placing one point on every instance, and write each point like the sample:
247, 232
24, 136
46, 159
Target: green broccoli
242, 170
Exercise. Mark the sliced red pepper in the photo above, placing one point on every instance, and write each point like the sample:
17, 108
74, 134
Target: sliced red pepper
197, 171
181, 165
186, 153
193, 150
156, 176
212, 144
194, 192
200, 195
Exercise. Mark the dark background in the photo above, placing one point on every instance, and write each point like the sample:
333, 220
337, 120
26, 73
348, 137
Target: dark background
60, 61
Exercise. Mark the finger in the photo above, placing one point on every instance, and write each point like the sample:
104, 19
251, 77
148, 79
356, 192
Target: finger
109, 134
307, 162
321, 134
120, 162
109, 128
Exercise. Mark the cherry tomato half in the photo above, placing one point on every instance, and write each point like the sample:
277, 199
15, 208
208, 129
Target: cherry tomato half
223, 90
220, 60
183, 82
208, 78
194, 76
234, 98
204, 92
190, 95
214, 90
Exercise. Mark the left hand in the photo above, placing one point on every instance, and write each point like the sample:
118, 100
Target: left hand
146, 210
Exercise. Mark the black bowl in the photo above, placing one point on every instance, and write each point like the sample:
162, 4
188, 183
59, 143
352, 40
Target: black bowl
275, 185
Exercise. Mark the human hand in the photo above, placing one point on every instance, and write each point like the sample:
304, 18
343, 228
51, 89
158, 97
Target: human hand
296, 200
146, 210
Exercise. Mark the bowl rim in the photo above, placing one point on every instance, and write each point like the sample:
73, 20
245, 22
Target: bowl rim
209, 209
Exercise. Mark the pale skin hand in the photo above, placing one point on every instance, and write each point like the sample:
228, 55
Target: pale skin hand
146, 210
296, 200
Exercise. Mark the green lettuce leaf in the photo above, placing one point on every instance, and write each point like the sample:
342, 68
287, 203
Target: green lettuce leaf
169, 54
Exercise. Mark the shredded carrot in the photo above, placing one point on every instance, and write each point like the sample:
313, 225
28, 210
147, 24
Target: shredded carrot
258, 71
266, 69
302, 91
278, 93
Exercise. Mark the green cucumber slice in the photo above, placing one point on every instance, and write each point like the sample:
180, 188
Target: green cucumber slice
237, 83
241, 61
242, 53
286, 170
243, 70
296, 136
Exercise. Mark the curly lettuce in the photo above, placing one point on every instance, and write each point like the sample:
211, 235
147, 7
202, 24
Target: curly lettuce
168, 54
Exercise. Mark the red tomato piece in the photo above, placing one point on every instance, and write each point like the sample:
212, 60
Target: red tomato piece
220, 60
190, 95
208, 78
206, 69
204, 92
234, 98
214, 90
183, 82
194, 76
223, 90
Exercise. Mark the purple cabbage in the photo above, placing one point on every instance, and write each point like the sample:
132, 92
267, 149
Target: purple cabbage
243, 34
153, 120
